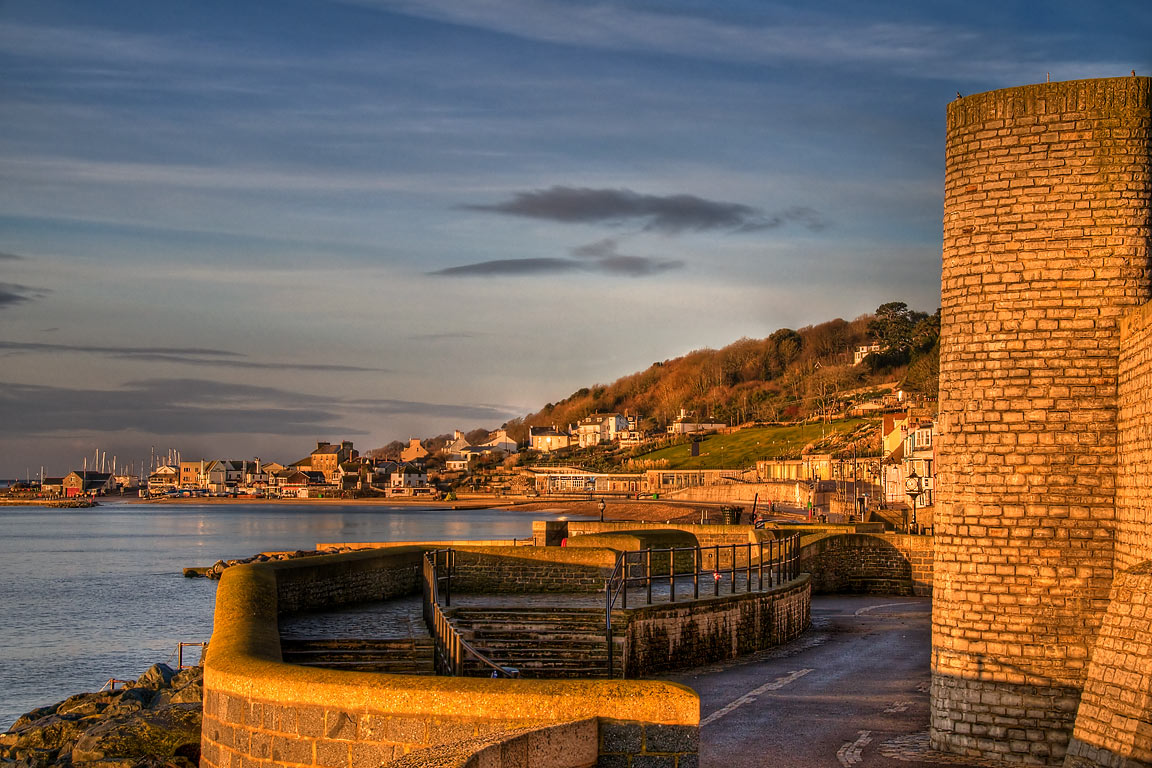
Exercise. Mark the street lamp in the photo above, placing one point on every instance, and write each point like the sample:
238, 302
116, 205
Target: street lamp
914, 487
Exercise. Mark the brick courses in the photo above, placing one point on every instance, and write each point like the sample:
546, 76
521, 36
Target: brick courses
1046, 247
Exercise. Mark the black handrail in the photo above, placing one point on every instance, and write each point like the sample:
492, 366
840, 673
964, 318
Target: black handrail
782, 566
449, 646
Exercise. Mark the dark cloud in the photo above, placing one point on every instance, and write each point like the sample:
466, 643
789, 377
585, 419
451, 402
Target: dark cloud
12, 294
182, 407
180, 355
167, 407
10, 257
670, 214
506, 267
601, 257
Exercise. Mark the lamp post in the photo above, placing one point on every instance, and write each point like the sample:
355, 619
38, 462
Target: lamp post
914, 487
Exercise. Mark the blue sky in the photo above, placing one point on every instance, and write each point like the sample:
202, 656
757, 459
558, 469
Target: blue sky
236, 228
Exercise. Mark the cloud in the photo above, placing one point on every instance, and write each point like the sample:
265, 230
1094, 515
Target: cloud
202, 407
10, 257
12, 294
602, 257
178, 355
670, 214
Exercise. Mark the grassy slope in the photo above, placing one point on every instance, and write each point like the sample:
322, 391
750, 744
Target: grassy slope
744, 448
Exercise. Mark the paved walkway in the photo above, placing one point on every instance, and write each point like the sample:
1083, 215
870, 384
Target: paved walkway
852, 691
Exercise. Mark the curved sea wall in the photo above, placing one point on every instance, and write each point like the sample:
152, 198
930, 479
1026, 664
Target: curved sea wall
262, 712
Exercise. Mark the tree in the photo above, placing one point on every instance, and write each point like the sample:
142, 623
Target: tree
893, 327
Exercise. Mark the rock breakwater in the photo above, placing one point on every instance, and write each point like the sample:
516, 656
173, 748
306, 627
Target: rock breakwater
151, 722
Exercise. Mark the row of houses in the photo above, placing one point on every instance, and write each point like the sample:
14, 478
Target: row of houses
903, 477
330, 469
602, 428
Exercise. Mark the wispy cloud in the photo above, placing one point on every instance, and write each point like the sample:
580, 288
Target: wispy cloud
179, 355
12, 294
601, 257
10, 257
668, 214
817, 38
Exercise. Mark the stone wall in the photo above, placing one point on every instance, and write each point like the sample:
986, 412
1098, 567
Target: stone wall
1133, 501
1046, 247
531, 569
308, 583
891, 564
1112, 724
673, 636
260, 712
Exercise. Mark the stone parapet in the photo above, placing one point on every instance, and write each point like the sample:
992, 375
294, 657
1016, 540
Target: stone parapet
261, 712
887, 564
671, 636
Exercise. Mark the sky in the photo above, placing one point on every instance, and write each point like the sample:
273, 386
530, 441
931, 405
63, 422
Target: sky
234, 229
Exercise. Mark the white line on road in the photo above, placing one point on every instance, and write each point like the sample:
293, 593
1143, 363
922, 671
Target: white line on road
866, 609
749, 697
850, 753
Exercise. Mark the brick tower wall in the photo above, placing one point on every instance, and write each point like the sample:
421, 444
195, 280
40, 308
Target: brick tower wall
1046, 235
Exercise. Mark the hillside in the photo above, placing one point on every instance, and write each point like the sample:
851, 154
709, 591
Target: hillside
792, 375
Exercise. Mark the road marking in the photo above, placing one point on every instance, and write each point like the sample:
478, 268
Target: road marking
899, 706
865, 610
749, 697
850, 753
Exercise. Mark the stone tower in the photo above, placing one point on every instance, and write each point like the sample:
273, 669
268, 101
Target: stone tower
1047, 217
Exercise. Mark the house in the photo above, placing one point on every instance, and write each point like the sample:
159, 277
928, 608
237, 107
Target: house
458, 444
192, 474
162, 480
407, 476
499, 441
414, 452
52, 486
327, 458
909, 468
685, 426
863, 352
599, 428
87, 483
548, 439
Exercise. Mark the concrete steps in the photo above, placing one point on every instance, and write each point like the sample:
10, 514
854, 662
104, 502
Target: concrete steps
392, 656
540, 642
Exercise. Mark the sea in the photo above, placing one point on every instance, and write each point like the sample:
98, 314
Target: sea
88, 595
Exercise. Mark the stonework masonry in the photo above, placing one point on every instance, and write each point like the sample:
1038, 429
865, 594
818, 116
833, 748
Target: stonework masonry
1047, 215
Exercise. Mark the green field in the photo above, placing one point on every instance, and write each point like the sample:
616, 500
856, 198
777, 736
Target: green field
746, 447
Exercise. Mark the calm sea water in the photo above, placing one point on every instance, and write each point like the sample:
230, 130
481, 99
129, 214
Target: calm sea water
91, 594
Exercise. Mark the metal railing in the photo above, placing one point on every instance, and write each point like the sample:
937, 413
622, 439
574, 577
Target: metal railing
451, 650
765, 563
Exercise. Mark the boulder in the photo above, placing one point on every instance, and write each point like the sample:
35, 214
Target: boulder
159, 732
34, 715
156, 677
84, 704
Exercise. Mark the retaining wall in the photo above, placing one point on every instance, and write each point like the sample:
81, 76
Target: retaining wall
260, 712
671, 636
502, 570
889, 564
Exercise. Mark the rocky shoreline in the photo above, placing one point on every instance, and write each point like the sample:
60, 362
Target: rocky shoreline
151, 722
